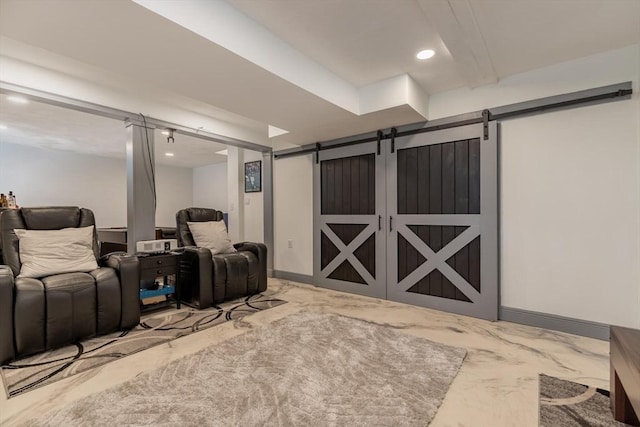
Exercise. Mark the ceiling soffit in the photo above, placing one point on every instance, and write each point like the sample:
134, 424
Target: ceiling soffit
225, 26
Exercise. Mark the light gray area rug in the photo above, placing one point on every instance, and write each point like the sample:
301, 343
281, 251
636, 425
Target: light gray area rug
307, 369
45, 368
567, 404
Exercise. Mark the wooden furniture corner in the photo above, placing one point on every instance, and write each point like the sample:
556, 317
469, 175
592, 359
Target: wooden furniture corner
625, 374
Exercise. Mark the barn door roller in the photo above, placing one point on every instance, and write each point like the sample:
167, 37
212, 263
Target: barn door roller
392, 135
486, 116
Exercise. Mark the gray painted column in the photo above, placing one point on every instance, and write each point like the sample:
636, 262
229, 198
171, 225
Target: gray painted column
141, 191
267, 185
235, 188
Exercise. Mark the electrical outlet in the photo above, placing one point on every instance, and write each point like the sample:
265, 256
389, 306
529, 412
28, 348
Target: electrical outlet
247, 201
290, 243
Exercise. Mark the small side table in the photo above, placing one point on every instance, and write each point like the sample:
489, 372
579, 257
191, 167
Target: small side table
625, 374
160, 265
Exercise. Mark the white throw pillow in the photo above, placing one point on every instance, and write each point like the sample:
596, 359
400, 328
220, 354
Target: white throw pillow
48, 252
211, 235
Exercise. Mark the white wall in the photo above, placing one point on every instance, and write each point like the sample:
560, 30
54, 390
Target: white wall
42, 177
570, 213
174, 188
570, 193
253, 205
585, 73
293, 214
210, 187
246, 210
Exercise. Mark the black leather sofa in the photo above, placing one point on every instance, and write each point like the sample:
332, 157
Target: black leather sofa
205, 279
48, 312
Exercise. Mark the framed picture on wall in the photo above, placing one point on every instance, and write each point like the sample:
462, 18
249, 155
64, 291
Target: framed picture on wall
253, 177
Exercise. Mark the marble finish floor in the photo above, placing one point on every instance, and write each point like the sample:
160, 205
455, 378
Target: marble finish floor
496, 386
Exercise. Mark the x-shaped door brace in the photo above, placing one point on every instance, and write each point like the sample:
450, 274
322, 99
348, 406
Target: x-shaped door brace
439, 260
346, 252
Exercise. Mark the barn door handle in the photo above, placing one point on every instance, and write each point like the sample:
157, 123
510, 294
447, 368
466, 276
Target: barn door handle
390, 223
379, 222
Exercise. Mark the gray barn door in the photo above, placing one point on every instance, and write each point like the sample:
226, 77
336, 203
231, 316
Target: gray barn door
442, 214
349, 211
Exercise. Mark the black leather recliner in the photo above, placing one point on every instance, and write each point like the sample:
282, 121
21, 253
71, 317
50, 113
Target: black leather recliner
1, 257
41, 314
205, 279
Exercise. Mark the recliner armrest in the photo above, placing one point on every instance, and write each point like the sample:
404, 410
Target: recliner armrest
127, 268
260, 251
7, 350
118, 260
196, 271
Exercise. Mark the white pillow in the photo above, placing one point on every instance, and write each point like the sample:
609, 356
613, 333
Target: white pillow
211, 235
47, 252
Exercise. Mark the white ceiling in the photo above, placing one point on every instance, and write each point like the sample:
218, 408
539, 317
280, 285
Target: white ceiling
362, 41
318, 69
50, 127
365, 41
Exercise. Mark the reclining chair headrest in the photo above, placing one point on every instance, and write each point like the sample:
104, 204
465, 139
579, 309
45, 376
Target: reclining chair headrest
42, 218
183, 234
51, 218
203, 214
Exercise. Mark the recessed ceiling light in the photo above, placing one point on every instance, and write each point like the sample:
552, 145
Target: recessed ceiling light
17, 99
425, 54
3, 127
165, 132
168, 154
224, 152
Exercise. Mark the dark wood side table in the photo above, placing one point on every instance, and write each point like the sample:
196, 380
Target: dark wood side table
160, 265
625, 374
114, 239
